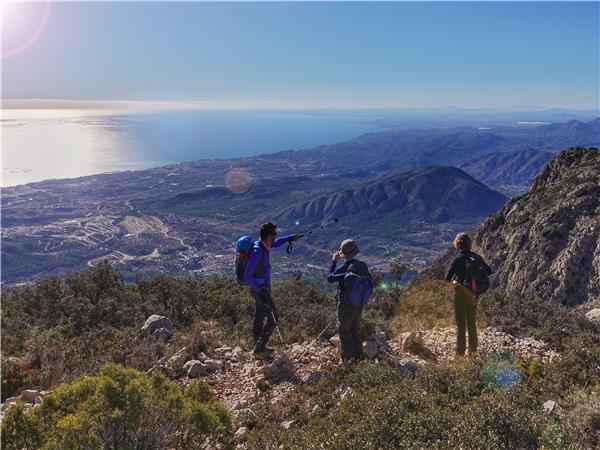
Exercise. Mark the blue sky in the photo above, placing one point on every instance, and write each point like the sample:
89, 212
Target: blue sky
362, 54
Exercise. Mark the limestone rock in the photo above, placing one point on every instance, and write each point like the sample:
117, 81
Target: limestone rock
240, 434
335, 341
178, 359
544, 244
412, 342
29, 395
157, 324
549, 406
593, 315
214, 364
195, 368
280, 366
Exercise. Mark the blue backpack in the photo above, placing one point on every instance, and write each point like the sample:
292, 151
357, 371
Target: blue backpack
358, 289
243, 247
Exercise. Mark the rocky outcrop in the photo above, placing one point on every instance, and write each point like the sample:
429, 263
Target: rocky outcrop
546, 243
160, 327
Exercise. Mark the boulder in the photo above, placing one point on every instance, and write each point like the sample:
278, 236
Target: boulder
549, 406
195, 368
178, 359
240, 434
29, 395
370, 349
214, 364
412, 342
155, 323
281, 366
162, 334
335, 341
238, 355
593, 315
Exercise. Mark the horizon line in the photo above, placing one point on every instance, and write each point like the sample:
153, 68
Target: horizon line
173, 105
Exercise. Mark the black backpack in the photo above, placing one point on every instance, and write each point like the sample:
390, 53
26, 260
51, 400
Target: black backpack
477, 279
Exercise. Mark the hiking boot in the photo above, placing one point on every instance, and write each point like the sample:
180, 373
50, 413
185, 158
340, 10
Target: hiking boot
261, 352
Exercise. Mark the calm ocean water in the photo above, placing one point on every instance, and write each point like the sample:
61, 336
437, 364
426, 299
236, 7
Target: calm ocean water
43, 144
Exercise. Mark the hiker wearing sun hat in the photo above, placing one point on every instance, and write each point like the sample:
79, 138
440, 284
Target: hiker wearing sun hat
355, 286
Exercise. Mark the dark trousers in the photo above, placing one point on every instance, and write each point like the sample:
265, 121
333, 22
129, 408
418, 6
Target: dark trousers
264, 308
465, 313
348, 324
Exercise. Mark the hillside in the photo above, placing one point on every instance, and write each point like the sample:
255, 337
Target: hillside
546, 243
433, 194
510, 172
181, 219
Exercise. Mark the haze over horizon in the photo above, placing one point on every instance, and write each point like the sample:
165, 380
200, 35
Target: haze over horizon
301, 55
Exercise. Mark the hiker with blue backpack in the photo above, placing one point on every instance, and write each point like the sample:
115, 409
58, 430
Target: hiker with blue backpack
253, 269
468, 275
355, 287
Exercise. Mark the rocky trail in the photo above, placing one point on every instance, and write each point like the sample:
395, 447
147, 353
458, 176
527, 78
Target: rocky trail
240, 381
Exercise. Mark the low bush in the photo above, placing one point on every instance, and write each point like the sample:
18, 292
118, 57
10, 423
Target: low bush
120, 409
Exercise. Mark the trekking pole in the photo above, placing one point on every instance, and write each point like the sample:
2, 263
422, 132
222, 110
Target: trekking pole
277, 326
306, 233
317, 338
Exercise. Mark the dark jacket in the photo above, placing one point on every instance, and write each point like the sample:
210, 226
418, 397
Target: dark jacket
258, 273
458, 269
337, 275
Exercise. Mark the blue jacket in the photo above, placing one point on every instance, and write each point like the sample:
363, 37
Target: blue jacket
337, 275
257, 274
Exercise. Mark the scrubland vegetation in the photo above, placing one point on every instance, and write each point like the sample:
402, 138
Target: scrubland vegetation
70, 332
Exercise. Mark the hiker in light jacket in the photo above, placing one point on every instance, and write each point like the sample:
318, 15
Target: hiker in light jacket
348, 316
258, 276
465, 301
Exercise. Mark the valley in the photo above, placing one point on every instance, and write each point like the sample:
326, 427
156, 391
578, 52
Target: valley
182, 219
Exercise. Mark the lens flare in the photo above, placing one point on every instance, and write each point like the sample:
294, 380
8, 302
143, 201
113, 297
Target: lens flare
384, 286
6, 12
238, 180
501, 371
297, 222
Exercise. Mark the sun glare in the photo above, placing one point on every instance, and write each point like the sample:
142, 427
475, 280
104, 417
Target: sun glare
22, 24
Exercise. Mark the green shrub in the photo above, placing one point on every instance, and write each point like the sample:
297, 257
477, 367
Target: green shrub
119, 409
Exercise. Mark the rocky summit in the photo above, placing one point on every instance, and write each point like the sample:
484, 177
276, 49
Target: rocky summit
546, 242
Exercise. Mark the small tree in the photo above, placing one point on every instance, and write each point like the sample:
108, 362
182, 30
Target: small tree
397, 270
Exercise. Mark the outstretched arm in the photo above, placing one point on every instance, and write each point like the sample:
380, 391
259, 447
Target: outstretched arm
282, 240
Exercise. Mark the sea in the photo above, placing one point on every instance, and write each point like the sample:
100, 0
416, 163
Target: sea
61, 143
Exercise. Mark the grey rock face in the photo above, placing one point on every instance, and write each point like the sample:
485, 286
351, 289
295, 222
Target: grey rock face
593, 315
195, 368
546, 243
154, 323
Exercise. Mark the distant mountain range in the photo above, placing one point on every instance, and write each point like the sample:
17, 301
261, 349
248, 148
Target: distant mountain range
182, 218
375, 153
508, 171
